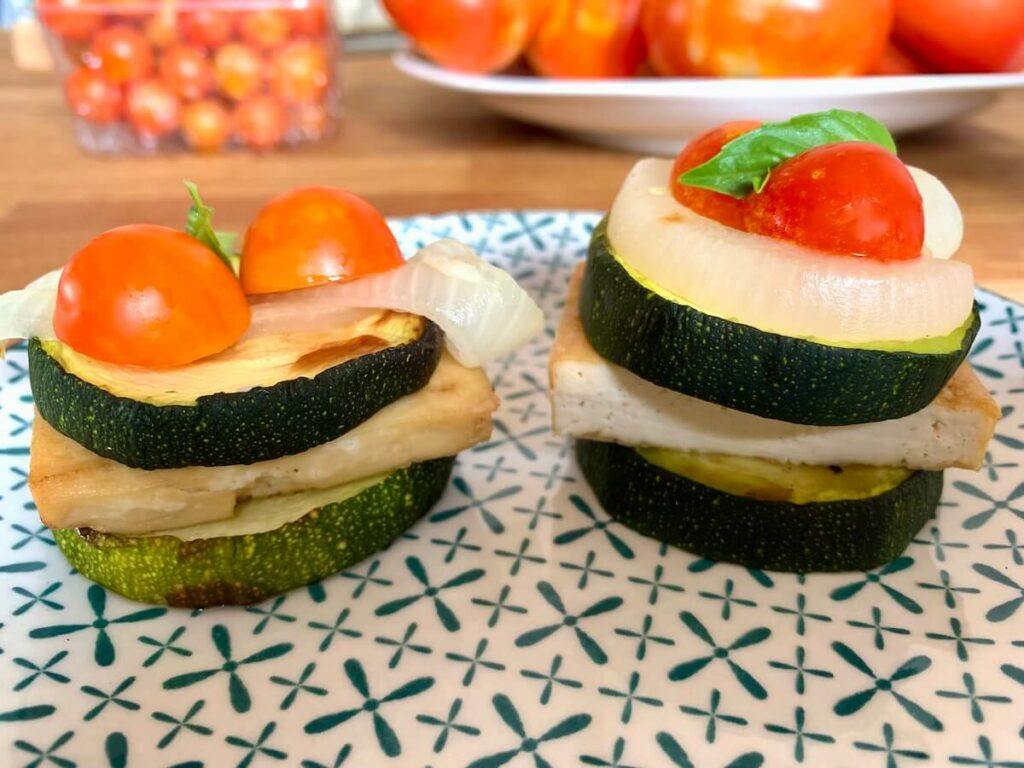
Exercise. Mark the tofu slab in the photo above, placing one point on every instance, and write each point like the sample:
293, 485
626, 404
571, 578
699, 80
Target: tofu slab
593, 398
74, 488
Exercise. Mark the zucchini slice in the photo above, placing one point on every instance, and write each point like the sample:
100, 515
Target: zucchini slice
271, 544
761, 530
120, 415
778, 377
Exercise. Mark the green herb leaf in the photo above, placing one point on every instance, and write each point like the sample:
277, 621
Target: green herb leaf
744, 164
200, 226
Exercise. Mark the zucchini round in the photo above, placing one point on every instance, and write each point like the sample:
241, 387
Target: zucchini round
778, 377
849, 535
223, 429
242, 569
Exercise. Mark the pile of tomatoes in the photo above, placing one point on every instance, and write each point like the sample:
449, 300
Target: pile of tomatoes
717, 38
254, 73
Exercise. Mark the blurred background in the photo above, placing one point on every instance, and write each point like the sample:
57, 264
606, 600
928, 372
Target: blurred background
437, 105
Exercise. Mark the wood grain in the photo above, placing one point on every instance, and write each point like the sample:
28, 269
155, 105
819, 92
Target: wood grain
413, 149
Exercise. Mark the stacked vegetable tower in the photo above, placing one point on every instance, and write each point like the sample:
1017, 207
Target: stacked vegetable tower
762, 359
210, 438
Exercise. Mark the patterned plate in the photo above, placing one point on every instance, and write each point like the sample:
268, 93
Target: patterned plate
516, 625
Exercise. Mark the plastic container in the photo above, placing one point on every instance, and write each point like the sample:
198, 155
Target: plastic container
166, 75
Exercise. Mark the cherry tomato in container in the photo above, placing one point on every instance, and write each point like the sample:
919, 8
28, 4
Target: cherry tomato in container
153, 109
468, 35
963, 35
310, 20
122, 53
238, 69
260, 122
299, 72
588, 38
207, 27
187, 71
310, 120
71, 20
850, 198
92, 97
265, 28
205, 125
664, 23
161, 28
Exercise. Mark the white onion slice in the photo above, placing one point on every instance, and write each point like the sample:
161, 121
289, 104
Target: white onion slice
943, 222
28, 312
777, 286
481, 309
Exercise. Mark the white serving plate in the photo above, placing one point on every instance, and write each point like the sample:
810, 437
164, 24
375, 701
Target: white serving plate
655, 115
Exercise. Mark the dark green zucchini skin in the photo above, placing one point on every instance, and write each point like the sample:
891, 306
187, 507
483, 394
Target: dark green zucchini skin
854, 535
741, 367
237, 428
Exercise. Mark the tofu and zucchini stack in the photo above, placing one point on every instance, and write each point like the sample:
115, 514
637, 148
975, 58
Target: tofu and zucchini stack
762, 358
214, 429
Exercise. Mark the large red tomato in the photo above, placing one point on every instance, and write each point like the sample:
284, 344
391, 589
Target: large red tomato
963, 35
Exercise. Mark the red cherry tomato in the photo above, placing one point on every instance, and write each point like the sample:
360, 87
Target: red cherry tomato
588, 38
664, 23
847, 198
963, 35
186, 71
315, 235
265, 28
122, 54
153, 110
260, 122
162, 28
299, 72
310, 20
714, 205
70, 19
239, 70
205, 124
92, 97
149, 296
206, 27
897, 61
468, 35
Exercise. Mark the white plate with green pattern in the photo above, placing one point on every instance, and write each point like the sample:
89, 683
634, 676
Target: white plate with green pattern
516, 625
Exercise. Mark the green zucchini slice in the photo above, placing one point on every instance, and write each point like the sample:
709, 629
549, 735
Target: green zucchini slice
778, 377
243, 424
280, 542
851, 534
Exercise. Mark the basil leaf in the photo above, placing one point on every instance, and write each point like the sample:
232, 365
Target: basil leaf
743, 165
200, 226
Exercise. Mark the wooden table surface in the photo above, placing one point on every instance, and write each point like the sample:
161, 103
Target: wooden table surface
413, 149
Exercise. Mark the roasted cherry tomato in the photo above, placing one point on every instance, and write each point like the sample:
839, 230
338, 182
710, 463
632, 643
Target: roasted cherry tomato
238, 69
92, 97
122, 54
315, 235
149, 296
588, 38
186, 71
714, 205
206, 27
664, 23
152, 108
70, 19
260, 122
299, 72
265, 28
963, 35
310, 20
205, 124
851, 198
469, 35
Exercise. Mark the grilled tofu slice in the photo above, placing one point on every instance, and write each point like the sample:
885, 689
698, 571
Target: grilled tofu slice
597, 400
74, 488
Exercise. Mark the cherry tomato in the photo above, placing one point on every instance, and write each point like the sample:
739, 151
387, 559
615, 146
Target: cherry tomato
310, 120
206, 27
186, 71
149, 296
205, 124
310, 20
315, 235
265, 28
588, 38
162, 29
92, 97
153, 110
300, 72
714, 205
963, 35
70, 19
897, 61
847, 198
664, 23
239, 70
122, 54
468, 35
260, 122
779, 38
